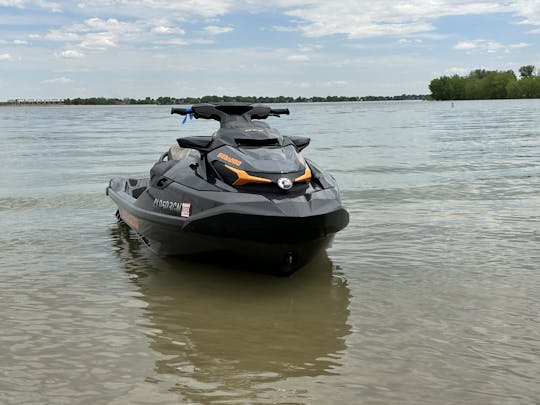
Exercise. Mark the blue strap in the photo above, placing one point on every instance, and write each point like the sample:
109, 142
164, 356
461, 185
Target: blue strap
189, 112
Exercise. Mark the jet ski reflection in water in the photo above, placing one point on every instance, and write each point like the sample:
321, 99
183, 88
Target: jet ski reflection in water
245, 194
238, 337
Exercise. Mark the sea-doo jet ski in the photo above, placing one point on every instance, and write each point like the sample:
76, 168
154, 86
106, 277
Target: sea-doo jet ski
245, 194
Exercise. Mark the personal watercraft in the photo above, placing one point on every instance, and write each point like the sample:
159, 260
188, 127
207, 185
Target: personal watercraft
244, 195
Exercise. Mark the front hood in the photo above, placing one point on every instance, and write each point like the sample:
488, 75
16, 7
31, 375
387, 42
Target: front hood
280, 159
268, 169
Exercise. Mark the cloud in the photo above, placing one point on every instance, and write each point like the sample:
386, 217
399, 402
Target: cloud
5, 56
166, 8
319, 85
282, 28
96, 33
12, 3
364, 19
20, 42
54, 7
71, 54
99, 41
162, 29
215, 30
359, 19
298, 58
405, 41
457, 71
63, 36
58, 80
487, 46
110, 25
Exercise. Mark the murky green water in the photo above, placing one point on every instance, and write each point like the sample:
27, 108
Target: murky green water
431, 295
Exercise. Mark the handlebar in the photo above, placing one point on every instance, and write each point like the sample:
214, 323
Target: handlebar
181, 110
223, 111
279, 111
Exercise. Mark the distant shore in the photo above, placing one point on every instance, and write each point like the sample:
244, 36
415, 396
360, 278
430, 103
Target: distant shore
205, 99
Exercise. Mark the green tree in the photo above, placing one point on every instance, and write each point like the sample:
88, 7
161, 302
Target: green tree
526, 71
527, 87
478, 85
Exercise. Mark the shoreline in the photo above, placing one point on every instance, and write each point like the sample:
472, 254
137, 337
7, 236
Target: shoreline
207, 99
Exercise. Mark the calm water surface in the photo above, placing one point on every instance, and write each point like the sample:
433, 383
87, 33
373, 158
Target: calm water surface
430, 296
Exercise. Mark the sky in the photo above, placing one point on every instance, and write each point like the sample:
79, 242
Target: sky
190, 48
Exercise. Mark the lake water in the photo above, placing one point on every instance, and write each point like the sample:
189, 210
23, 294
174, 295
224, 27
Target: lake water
431, 295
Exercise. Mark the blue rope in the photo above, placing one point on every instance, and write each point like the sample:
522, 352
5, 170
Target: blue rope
189, 111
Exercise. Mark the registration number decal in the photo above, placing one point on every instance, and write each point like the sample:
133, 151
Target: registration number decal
182, 208
185, 211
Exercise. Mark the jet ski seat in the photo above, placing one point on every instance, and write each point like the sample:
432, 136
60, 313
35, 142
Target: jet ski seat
178, 153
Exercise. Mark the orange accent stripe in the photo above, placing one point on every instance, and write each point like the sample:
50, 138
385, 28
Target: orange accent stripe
306, 176
245, 178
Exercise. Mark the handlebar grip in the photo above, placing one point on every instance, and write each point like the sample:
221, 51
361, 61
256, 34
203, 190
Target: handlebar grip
181, 110
280, 111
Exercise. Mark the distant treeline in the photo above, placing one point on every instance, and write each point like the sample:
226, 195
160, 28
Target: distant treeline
214, 99
243, 99
483, 84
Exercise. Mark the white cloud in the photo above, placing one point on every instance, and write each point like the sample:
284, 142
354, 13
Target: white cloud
406, 41
34, 36
99, 41
54, 7
58, 80
71, 54
298, 58
529, 10
183, 42
62, 36
162, 29
20, 42
101, 34
314, 18
283, 28
12, 3
319, 85
96, 33
176, 41
110, 25
487, 46
457, 71
466, 45
204, 8
5, 56
363, 19
216, 30
519, 45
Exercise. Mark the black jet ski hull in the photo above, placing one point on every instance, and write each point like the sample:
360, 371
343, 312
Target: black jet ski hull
232, 234
244, 195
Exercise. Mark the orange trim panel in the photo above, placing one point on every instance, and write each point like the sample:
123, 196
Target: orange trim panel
245, 178
306, 176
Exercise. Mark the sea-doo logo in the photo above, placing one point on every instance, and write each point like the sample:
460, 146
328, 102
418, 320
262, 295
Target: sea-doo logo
229, 159
284, 183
